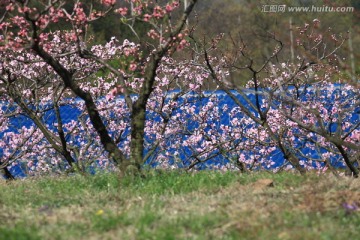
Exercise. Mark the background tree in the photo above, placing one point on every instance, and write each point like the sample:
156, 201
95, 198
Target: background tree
297, 103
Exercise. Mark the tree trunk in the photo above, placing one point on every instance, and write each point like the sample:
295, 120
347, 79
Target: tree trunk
137, 135
296, 163
7, 174
354, 170
139, 112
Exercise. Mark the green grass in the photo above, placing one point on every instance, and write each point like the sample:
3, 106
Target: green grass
180, 205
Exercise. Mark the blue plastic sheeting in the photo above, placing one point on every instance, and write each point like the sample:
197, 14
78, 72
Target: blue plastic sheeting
224, 101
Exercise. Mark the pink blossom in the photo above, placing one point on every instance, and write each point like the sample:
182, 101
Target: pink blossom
316, 23
147, 17
158, 12
108, 2
10, 7
169, 8
122, 11
132, 67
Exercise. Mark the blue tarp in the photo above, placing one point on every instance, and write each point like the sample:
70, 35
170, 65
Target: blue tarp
69, 113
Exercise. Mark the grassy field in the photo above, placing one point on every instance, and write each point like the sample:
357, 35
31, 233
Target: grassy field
170, 205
